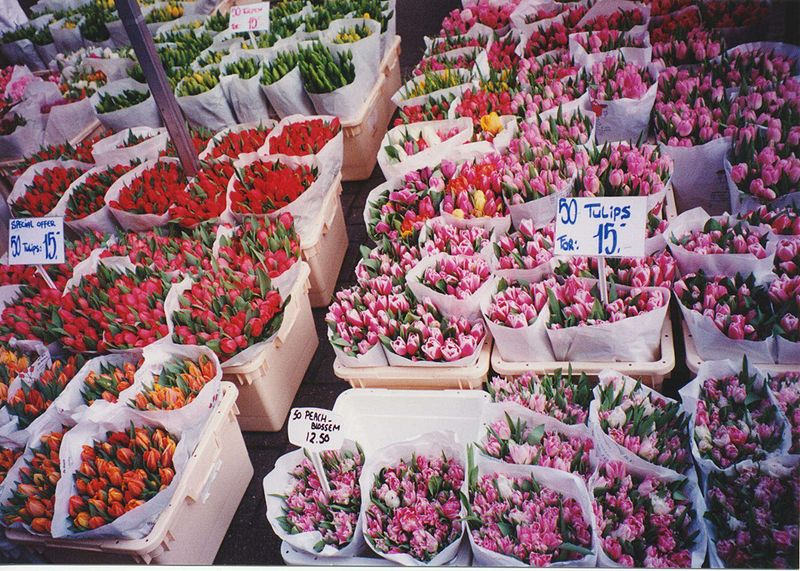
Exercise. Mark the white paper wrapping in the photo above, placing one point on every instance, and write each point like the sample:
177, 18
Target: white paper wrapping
245, 96
109, 152
144, 114
698, 175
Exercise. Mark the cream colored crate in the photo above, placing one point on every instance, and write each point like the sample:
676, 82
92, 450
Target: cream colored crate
693, 360
651, 374
191, 529
268, 384
324, 250
363, 135
472, 377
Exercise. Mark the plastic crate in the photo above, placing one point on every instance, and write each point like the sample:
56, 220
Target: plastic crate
651, 374
363, 135
268, 384
324, 251
191, 529
415, 378
693, 360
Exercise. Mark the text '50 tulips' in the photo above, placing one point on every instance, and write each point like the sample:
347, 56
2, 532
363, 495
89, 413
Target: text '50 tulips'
119, 474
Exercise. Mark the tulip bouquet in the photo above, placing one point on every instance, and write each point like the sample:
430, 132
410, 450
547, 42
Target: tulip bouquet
733, 14
577, 304
12, 363
108, 381
534, 176
120, 473
114, 309
606, 40
279, 67
424, 336
32, 399
762, 168
658, 270
517, 304
442, 61
614, 78
405, 144
307, 508
625, 170
736, 420
785, 388
399, 214
642, 421
16, 275
263, 187
7, 458
521, 517
235, 143
272, 245
787, 258
45, 190
414, 506
205, 196
303, 138
520, 442
81, 152
108, 103
431, 82
390, 259
785, 296
29, 315
153, 191
457, 276
177, 384
200, 138
666, 7
525, 249
198, 82
473, 189
33, 499
228, 311
448, 43
75, 251
622, 20
358, 317
724, 235
169, 250
493, 15
89, 196
433, 109
552, 80
646, 521
686, 46
443, 237
83, 83
575, 128
565, 397
547, 39
739, 308
752, 516
485, 107
784, 221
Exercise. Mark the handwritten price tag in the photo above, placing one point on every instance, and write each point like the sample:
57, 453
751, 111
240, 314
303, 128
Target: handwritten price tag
315, 429
35, 241
601, 227
250, 17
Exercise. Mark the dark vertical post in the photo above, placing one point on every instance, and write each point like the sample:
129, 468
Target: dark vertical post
145, 49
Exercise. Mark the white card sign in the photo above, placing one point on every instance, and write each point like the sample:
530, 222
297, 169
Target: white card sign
250, 17
315, 429
608, 227
36, 241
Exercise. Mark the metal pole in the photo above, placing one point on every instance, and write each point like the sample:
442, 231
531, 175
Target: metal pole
145, 49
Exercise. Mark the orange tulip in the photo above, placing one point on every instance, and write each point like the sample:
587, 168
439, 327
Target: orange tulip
115, 509
76, 504
40, 525
166, 475
35, 507
114, 476
81, 521
151, 458
133, 504
27, 489
96, 521
114, 495
166, 455
125, 456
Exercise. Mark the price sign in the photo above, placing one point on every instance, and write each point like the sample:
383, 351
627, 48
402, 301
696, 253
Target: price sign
250, 17
610, 227
315, 429
36, 241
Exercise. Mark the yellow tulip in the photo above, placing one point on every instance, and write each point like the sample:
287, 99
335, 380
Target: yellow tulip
479, 200
491, 123
458, 213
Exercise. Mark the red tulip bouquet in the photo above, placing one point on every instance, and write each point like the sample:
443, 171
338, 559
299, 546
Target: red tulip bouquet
265, 187
141, 199
271, 244
168, 249
205, 197
37, 191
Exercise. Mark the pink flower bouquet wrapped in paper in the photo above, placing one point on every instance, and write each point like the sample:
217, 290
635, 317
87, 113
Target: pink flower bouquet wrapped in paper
752, 515
727, 316
658, 270
411, 500
627, 328
524, 254
687, 47
425, 338
552, 80
455, 285
518, 436
562, 396
785, 388
787, 258
719, 245
299, 510
389, 259
734, 416
784, 220
639, 425
357, 319
516, 315
785, 296
472, 195
528, 514
438, 237
647, 520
